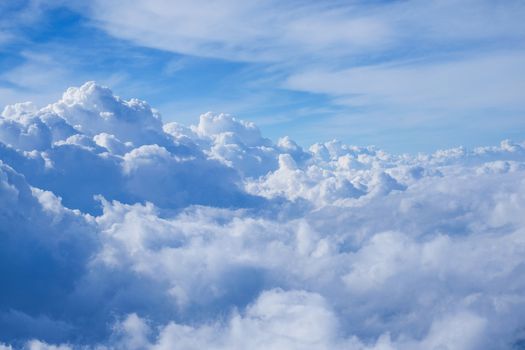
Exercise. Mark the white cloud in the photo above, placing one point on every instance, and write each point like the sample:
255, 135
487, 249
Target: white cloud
93, 109
464, 83
229, 29
274, 31
211, 236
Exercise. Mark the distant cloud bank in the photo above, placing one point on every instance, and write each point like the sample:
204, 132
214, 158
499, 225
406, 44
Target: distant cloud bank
119, 231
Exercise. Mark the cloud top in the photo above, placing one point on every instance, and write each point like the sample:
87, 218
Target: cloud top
119, 231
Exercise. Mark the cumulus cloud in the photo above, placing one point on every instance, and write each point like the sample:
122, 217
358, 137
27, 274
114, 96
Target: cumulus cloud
120, 232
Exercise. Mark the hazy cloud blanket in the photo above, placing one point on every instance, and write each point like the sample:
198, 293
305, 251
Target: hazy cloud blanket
118, 231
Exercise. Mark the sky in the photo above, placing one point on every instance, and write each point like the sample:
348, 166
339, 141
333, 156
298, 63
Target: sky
136, 215
407, 76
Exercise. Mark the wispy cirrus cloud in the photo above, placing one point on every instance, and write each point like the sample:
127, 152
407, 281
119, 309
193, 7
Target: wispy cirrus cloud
280, 31
245, 31
480, 82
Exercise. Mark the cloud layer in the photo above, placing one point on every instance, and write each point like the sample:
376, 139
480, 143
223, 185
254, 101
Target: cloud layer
429, 60
118, 231
279, 31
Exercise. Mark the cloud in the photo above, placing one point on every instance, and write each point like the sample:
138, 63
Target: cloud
222, 37
81, 132
275, 31
486, 81
118, 231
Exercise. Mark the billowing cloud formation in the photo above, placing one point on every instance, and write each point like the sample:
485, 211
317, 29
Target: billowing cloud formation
120, 232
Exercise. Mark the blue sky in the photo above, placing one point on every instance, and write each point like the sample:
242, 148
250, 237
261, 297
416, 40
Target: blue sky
119, 231
407, 76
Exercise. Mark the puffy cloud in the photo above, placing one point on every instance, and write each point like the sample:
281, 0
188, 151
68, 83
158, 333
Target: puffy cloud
21, 128
180, 181
93, 143
119, 232
44, 249
276, 320
93, 109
